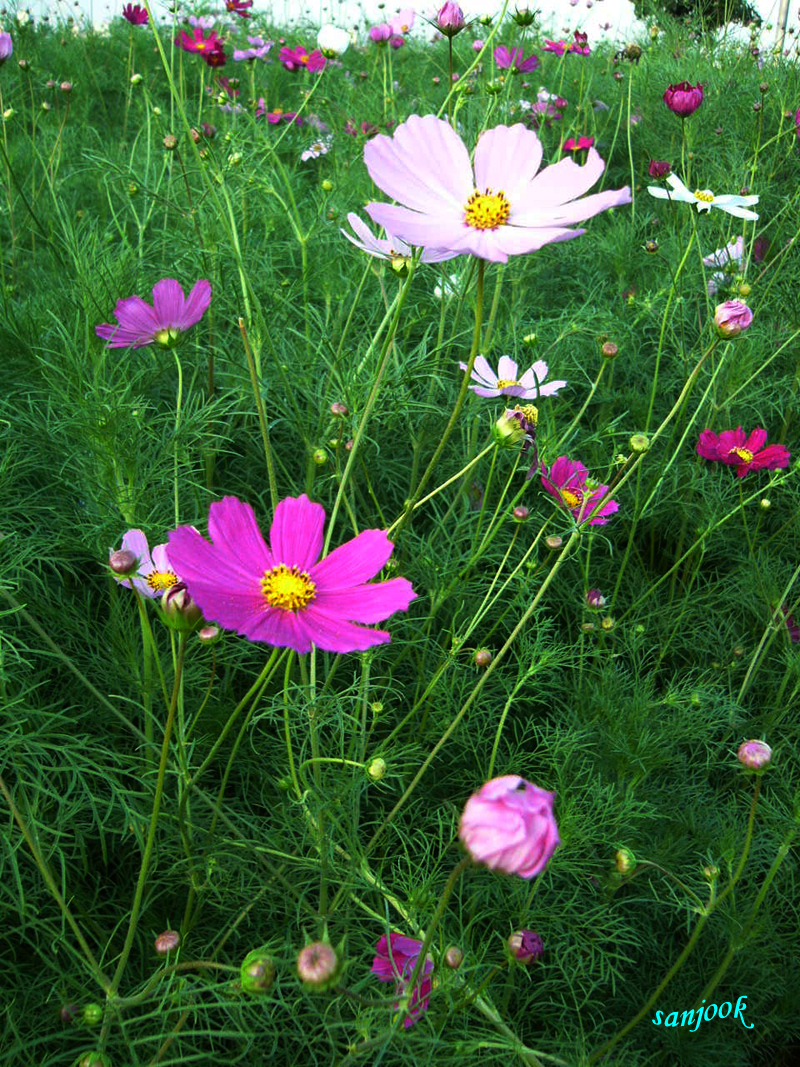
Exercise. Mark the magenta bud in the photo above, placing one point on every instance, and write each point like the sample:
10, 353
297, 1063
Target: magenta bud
68, 1012
525, 946
520, 513
123, 562
209, 635
683, 99
167, 942
66, 87
317, 965
450, 19
659, 168
482, 657
595, 599
754, 754
338, 410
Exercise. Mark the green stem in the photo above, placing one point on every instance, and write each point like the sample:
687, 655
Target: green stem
262, 419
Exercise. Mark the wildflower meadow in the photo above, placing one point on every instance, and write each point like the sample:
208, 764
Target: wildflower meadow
399, 542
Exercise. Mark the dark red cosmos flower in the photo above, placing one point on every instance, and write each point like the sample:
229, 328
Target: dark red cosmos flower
135, 14
216, 57
659, 168
745, 453
684, 99
238, 7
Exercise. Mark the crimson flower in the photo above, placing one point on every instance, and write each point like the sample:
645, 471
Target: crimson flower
745, 453
570, 484
395, 962
659, 168
135, 14
297, 58
238, 7
571, 145
506, 58
684, 99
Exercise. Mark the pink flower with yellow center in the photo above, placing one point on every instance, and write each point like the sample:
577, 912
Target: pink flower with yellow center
162, 324
503, 207
298, 58
155, 574
746, 453
569, 483
282, 593
509, 382
197, 42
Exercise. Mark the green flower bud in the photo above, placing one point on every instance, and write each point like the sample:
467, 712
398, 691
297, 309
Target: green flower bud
257, 972
93, 1014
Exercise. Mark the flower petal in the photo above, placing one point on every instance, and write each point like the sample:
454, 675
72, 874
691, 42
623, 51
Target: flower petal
333, 634
367, 603
168, 302
196, 304
354, 562
234, 531
428, 231
295, 536
506, 369
507, 159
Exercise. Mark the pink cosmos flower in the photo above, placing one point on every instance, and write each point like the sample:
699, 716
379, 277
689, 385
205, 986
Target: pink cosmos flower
135, 14
198, 42
683, 99
529, 386
283, 594
297, 58
513, 58
155, 573
569, 483
571, 145
579, 45
731, 257
450, 19
402, 21
504, 208
163, 323
392, 248
381, 33
736, 449
558, 47
259, 48
239, 7
278, 115
732, 318
397, 41
395, 962
509, 825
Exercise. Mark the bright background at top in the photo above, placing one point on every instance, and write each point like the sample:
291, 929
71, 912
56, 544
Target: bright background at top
592, 16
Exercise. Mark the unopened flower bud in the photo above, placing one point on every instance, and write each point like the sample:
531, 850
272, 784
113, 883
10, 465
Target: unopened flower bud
136, 79
68, 1012
523, 16
607, 623
595, 599
520, 513
766, 503
66, 87
170, 142
338, 410
744, 289
609, 350
587, 627
180, 611
450, 19
525, 946
209, 635
711, 873
167, 942
639, 443
133, 188
508, 432
157, 112
454, 957
123, 562
763, 87
317, 965
732, 318
94, 1059
93, 1014
327, 186
651, 247
9, 112
754, 754
257, 972
482, 658
554, 542
529, 340
376, 769
320, 457
24, 64
625, 861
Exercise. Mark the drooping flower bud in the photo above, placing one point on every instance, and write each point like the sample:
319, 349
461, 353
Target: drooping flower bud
732, 318
257, 972
450, 19
525, 946
93, 1014
318, 966
754, 754
167, 942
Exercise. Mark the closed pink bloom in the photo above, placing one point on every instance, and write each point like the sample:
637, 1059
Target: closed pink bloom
732, 318
395, 961
298, 58
746, 453
283, 594
135, 14
503, 207
397, 41
450, 19
381, 33
569, 483
509, 825
161, 324
754, 754
683, 99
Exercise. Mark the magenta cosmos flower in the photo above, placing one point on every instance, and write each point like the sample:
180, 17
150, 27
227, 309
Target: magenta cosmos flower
163, 323
509, 825
381, 33
135, 14
155, 574
198, 42
582, 143
558, 47
283, 594
736, 449
504, 208
297, 58
570, 484
392, 248
506, 59
395, 962
508, 381
239, 7
732, 318
683, 99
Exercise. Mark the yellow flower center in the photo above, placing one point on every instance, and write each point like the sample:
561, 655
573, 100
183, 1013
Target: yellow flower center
487, 211
288, 588
304, 59
200, 45
742, 453
573, 498
159, 581
530, 412
504, 383
168, 337
705, 195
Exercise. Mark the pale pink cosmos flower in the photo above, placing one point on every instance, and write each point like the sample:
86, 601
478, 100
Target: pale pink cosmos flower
283, 594
569, 482
392, 248
503, 208
395, 961
155, 574
402, 21
508, 382
163, 323
509, 825
732, 255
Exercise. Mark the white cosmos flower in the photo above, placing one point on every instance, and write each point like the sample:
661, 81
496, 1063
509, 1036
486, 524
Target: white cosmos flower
332, 41
314, 151
393, 249
509, 382
705, 199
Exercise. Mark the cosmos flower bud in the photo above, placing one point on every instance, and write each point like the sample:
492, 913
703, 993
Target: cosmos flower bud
180, 611
257, 972
651, 247
209, 635
520, 513
607, 623
136, 79
523, 16
508, 432
327, 186
338, 410
450, 19
609, 350
94, 1059
711, 873
625, 861
123, 562
454, 957
320, 457
525, 946
482, 657
732, 318
509, 826
318, 966
683, 99
68, 1012
529, 340
170, 142
595, 599
754, 754
639, 443
66, 87
376, 769
554, 542
167, 942
93, 1014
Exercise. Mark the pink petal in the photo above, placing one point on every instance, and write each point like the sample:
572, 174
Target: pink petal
161, 561
233, 529
584, 208
708, 445
354, 562
516, 240
336, 635
168, 301
561, 182
135, 541
507, 158
295, 536
756, 440
367, 603
196, 304
367, 242
506, 369
431, 231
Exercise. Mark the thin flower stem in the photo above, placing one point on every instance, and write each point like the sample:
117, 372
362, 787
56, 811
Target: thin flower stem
287, 732
501, 724
568, 432
769, 631
262, 419
665, 319
178, 402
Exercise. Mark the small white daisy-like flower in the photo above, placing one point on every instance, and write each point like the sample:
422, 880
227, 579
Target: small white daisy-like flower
704, 199
314, 151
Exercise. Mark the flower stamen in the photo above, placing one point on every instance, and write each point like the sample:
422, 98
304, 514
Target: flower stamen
705, 195
159, 581
506, 383
744, 454
573, 498
288, 588
487, 211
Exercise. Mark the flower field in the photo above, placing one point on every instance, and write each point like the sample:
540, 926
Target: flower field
400, 542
